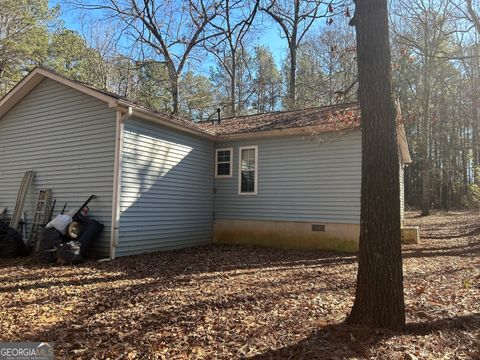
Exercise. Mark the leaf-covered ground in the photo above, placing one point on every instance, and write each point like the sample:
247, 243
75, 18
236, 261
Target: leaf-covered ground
236, 302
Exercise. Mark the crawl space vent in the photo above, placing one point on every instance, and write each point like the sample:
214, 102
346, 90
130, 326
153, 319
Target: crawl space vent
318, 227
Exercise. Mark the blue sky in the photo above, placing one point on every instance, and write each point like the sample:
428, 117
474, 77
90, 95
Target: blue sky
269, 37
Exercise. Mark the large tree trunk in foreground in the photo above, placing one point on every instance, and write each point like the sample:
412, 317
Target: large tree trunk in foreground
379, 298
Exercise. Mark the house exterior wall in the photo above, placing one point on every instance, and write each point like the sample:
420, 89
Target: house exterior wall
301, 181
166, 189
68, 138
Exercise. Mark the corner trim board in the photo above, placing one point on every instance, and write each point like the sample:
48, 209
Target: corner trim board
117, 178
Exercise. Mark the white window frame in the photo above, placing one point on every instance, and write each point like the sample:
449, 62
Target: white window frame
249, 147
216, 163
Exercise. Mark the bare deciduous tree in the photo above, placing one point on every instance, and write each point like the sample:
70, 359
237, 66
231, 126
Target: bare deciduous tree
170, 30
267, 81
473, 15
295, 19
233, 23
426, 29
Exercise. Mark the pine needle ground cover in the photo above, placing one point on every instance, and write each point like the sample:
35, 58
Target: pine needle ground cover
237, 302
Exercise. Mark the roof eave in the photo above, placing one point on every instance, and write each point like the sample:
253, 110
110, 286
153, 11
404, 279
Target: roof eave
309, 131
163, 120
19, 91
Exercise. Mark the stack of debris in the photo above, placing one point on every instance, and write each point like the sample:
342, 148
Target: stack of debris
65, 239
11, 242
68, 237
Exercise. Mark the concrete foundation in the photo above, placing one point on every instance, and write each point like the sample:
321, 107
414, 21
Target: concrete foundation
288, 234
410, 235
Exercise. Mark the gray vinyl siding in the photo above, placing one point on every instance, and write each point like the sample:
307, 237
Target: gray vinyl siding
166, 189
68, 138
299, 179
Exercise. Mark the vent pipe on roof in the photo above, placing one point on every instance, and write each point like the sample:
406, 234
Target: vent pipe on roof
218, 113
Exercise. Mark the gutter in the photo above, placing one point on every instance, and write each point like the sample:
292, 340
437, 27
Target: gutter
306, 131
117, 177
159, 119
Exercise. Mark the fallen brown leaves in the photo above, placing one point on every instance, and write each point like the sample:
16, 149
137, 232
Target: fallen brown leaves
237, 302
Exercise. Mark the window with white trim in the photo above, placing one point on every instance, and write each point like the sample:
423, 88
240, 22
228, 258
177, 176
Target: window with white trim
223, 162
248, 170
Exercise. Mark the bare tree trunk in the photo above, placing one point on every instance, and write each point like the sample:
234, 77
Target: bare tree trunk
475, 111
294, 24
174, 81
426, 172
426, 130
233, 84
379, 299
465, 153
292, 79
330, 80
474, 16
2, 84
293, 46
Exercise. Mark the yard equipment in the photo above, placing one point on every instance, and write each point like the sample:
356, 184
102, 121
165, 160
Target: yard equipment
60, 223
83, 229
42, 208
22, 194
53, 245
81, 209
74, 228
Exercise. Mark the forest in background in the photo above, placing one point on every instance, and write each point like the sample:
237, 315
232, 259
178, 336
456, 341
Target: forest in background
194, 56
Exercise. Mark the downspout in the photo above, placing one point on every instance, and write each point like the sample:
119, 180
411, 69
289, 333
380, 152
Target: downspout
117, 179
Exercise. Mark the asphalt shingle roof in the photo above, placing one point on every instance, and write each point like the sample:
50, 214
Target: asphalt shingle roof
335, 117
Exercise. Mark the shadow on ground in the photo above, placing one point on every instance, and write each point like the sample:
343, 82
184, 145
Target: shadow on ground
238, 302
345, 341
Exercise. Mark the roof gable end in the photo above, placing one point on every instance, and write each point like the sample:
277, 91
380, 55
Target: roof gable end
29, 82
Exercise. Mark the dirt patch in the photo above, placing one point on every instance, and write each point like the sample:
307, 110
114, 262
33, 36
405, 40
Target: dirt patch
237, 302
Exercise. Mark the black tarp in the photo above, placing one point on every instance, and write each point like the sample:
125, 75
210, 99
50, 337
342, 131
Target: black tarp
11, 243
47, 242
69, 253
90, 230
